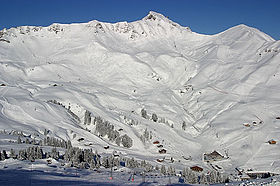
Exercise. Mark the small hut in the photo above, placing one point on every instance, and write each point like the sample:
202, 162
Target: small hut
272, 141
162, 151
156, 142
160, 146
80, 139
213, 156
160, 160
106, 147
244, 177
197, 169
49, 161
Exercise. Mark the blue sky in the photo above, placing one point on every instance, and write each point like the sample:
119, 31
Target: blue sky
202, 16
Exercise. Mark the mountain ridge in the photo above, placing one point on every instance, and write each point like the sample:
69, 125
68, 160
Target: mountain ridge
124, 27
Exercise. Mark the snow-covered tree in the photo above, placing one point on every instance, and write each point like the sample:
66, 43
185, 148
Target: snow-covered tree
171, 170
144, 113
38, 153
27, 141
192, 177
19, 140
46, 132
13, 154
83, 165
163, 170
106, 162
126, 141
54, 142
113, 135
154, 117
145, 137
88, 155
92, 164
96, 159
156, 168
104, 128
87, 120
213, 177
68, 145
54, 154
78, 156
22, 155
33, 141
203, 179
30, 152
146, 134
131, 163
219, 178
2, 156
184, 125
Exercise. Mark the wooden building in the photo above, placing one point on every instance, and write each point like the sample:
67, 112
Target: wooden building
162, 151
272, 141
156, 142
197, 169
160, 160
213, 156
106, 147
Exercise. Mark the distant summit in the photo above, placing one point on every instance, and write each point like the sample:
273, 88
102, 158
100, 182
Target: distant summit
242, 30
155, 16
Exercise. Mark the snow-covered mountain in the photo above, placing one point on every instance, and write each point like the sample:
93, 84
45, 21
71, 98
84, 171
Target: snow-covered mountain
224, 87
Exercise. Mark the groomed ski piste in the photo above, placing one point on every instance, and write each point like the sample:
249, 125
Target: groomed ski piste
177, 94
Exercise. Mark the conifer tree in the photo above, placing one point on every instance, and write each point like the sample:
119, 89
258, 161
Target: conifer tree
46, 132
154, 117
22, 155
118, 141
87, 120
54, 154
19, 140
144, 114
203, 179
184, 125
39, 153
2, 157
5, 154
126, 141
13, 154
163, 170
27, 141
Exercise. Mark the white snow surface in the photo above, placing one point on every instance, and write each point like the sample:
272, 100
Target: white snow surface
215, 83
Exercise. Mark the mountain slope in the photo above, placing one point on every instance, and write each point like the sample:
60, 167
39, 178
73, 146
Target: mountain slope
215, 83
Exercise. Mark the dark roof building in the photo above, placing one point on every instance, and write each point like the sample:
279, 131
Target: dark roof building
162, 151
197, 168
213, 156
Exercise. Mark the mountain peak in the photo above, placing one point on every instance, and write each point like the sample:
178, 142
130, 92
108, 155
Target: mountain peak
245, 31
160, 19
154, 16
